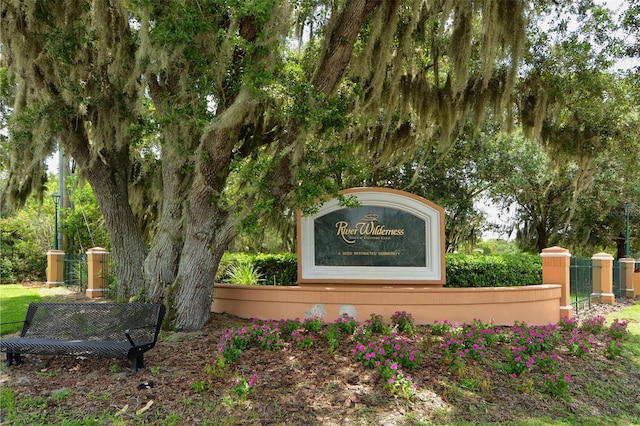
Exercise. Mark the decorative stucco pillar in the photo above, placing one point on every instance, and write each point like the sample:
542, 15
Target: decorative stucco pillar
627, 266
98, 271
602, 270
55, 268
555, 270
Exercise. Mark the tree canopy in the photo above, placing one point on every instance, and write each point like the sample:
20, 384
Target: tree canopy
190, 118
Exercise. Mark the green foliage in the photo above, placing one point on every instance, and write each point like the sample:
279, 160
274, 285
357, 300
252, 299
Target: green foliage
275, 269
497, 247
314, 324
83, 225
27, 234
462, 270
244, 273
228, 70
403, 321
25, 238
454, 180
493, 271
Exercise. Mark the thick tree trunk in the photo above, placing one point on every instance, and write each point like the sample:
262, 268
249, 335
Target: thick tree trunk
127, 247
195, 230
194, 234
161, 265
209, 228
109, 178
543, 238
207, 238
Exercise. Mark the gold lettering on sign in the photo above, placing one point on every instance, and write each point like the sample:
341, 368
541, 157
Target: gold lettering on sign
366, 227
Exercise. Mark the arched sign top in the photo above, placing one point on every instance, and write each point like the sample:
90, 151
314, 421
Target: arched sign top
390, 237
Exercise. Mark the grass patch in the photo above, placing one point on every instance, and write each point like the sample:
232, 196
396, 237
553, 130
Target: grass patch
630, 314
14, 301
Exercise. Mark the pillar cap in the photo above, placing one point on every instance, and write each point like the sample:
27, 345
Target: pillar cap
602, 256
97, 250
555, 252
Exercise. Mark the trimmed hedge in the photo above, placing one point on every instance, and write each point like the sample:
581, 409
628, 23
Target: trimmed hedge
462, 270
276, 269
478, 270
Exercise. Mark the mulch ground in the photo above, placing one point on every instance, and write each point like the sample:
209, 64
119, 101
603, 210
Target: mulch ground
295, 386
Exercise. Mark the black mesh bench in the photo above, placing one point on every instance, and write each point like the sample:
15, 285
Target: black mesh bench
104, 330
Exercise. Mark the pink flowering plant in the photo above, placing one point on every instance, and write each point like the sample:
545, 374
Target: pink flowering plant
548, 363
613, 348
287, 326
396, 381
313, 324
568, 324
618, 330
452, 349
376, 325
304, 339
268, 336
488, 332
241, 386
593, 325
232, 343
441, 328
534, 339
581, 343
403, 322
346, 324
388, 354
518, 361
469, 341
557, 384
528, 357
374, 353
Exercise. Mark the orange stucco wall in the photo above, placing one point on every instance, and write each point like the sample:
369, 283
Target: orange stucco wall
537, 304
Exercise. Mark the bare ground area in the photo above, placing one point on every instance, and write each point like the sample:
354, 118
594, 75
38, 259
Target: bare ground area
294, 386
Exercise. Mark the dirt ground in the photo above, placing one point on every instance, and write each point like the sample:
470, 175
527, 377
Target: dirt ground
293, 386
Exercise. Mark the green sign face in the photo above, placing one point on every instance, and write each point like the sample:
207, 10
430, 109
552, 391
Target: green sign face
370, 236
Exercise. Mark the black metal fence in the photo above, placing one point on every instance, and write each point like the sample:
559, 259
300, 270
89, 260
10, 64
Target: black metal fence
76, 271
580, 283
619, 286
106, 266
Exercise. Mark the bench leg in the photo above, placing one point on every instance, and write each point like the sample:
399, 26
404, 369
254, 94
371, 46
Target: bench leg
13, 358
137, 363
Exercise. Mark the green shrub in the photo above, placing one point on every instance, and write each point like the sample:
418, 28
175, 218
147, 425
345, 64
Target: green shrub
493, 271
244, 273
275, 269
462, 270
24, 241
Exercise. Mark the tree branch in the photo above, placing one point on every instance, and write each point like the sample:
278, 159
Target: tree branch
340, 43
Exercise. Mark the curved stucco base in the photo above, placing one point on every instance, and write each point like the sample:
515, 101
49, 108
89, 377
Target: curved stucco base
539, 304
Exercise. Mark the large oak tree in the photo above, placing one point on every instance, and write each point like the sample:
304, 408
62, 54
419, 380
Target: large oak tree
235, 102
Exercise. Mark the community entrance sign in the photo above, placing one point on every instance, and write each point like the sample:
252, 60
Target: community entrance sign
390, 237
